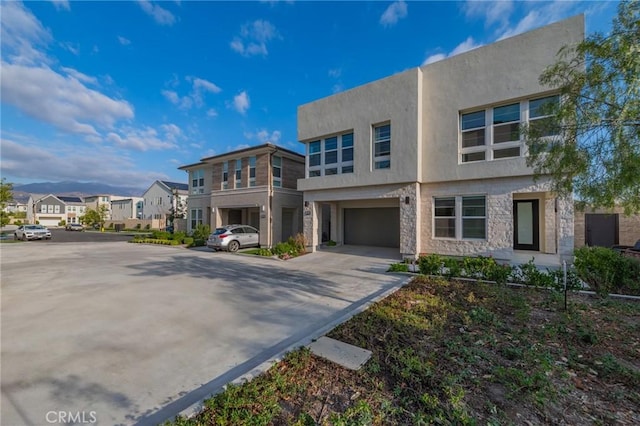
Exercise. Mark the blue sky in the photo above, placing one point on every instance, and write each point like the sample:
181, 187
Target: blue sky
125, 92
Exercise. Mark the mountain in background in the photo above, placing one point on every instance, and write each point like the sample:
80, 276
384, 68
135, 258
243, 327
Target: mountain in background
77, 189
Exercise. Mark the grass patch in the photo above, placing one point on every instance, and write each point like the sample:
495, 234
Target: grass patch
451, 352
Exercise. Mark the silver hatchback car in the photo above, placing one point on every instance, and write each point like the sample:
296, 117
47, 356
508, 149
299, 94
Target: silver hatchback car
234, 237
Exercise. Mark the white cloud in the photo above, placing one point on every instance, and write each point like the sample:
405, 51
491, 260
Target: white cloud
51, 160
212, 113
71, 47
200, 84
335, 72
396, 11
160, 15
253, 38
493, 12
171, 96
171, 131
336, 88
79, 76
124, 41
195, 97
241, 102
21, 34
61, 101
144, 139
264, 136
61, 4
465, 46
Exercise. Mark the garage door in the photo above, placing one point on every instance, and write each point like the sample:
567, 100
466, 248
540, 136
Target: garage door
372, 227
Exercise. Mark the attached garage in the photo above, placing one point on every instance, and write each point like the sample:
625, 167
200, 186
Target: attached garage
378, 226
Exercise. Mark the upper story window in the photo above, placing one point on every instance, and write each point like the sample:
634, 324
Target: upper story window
540, 116
252, 171
382, 146
197, 181
502, 137
330, 156
225, 175
238, 173
277, 171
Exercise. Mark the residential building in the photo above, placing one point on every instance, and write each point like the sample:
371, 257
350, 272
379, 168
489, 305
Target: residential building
127, 208
163, 200
96, 202
254, 186
432, 159
52, 210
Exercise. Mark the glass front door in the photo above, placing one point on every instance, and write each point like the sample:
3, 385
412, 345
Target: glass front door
526, 225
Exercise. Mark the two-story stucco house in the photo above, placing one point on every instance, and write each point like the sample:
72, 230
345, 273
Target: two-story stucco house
163, 199
254, 186
127, 208
52, 210
432, 160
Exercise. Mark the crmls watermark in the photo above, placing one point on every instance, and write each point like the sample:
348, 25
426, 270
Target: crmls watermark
71, 417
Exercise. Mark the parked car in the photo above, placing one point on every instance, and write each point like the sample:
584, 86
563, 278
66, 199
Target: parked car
234, 237
74, 227
32, 232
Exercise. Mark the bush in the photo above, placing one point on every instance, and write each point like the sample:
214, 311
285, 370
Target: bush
264, 252
178, 236
138, 226
147, 226
430, 265
62, 223
198, 242
607, 271
201, 232
188, 241
161, 235
529, 274
398, 267
453, 266
17, 222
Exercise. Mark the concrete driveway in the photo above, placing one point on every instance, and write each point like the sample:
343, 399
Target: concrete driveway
118, 333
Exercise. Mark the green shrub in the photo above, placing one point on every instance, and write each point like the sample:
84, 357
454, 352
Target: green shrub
607, 271
398, 267
529, 274
188, 241
454, 267
201, 232
198, 242
62, 223
160, 235
110, 225
265, 252
17, 222
147, 226
178, 236
331, 243
138, 226
498, 273
430, 265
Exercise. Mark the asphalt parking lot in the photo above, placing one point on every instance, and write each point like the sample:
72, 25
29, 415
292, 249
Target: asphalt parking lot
122, 333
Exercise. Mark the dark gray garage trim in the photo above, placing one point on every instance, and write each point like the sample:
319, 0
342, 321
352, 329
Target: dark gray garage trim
372, 226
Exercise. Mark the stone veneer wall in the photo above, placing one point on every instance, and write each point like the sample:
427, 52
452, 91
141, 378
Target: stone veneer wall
628, 226
500, 194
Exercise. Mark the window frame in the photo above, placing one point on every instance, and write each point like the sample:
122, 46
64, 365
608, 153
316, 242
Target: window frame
225, 176
277, 180
237, 172
195, 217
317, 149
252, 171
459, 218
381, 162
197, 181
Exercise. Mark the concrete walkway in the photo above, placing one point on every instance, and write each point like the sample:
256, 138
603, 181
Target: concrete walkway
130, 334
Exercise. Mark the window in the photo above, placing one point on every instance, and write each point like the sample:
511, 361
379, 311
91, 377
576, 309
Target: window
382, 146
225, 175
238, 173
502, 138
540, 118
252, 171
196, 218
461, 217
277, 171
331, 156
197, 181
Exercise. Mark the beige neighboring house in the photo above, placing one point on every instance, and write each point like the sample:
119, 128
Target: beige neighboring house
606, 227
161, 200
51, 210
94, 202
254, 186
431, 160
127, 208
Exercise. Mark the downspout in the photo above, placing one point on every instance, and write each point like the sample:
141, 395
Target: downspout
271, 191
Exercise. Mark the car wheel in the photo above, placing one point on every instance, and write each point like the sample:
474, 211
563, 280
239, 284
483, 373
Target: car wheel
234, 246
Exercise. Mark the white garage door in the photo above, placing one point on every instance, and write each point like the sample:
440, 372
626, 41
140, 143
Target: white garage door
49, 221
372, 226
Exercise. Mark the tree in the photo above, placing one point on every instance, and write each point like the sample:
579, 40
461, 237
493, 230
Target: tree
90, 217
596, 152
6, 196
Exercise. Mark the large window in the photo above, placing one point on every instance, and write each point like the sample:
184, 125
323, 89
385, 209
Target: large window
277, 171
540, 118
196, 218
238, 173
382, 146
330, 156
225, 175
252, 171
461, 217
197, 181
501, 138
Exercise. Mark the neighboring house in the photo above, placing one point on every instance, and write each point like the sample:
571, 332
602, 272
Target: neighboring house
431, 160
51, 210
127, 208
163, 199
606, 227
95, 202
254, 186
